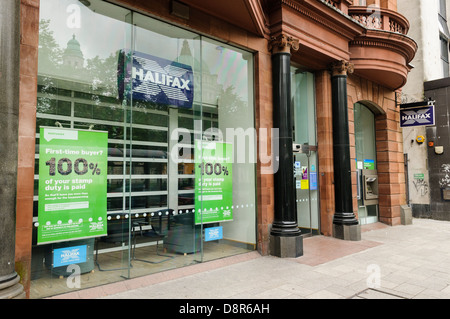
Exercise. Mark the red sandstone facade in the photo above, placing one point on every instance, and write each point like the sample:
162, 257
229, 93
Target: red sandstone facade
327, 31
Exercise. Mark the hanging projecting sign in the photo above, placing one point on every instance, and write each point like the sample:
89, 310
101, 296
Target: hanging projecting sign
213, 182
418, 116
155, 79
72, 184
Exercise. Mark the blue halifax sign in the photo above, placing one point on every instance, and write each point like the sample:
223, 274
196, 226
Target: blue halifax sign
69, 255
418, 116
157, 80
213, 233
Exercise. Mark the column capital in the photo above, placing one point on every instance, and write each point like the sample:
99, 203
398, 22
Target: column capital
341, 68
283, 44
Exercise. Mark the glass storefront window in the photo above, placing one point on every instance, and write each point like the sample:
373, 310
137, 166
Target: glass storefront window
178, 111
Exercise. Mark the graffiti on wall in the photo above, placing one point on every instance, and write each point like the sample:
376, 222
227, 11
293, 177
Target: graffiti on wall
421, 186
445, 172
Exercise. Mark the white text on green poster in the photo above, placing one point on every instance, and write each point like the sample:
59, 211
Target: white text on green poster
72, 184
213, 182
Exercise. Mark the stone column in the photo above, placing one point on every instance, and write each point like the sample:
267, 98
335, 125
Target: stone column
9, 122
345, 224
285, 239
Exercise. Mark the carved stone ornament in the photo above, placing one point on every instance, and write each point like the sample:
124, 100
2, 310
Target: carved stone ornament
342, 68
283, 43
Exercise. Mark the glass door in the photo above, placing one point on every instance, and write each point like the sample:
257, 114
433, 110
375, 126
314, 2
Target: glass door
305, 154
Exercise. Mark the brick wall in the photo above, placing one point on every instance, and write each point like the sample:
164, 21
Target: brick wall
29, 40
389, 146
264, 120
325, 150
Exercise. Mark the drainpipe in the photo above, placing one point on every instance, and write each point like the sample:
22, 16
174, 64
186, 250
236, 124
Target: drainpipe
9, 122
286, 240
345, 224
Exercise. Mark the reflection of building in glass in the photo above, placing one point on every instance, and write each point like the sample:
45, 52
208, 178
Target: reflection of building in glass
72, 55
204, 81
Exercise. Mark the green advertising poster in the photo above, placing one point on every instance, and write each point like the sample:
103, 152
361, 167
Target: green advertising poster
72, 184
213, 182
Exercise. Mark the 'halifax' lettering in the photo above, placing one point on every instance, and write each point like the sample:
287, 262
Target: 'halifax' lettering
416, 117
162, 79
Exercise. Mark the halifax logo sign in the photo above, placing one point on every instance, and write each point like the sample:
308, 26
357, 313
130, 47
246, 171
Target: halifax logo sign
157, 80
418, 116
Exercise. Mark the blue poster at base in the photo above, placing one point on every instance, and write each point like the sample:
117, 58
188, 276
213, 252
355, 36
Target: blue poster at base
69, 255
213, 233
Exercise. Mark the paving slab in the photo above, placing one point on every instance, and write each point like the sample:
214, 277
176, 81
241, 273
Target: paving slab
399, 262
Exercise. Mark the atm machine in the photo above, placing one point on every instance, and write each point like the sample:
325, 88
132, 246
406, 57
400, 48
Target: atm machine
367, 180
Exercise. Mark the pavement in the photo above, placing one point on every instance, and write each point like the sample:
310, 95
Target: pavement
398, 262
